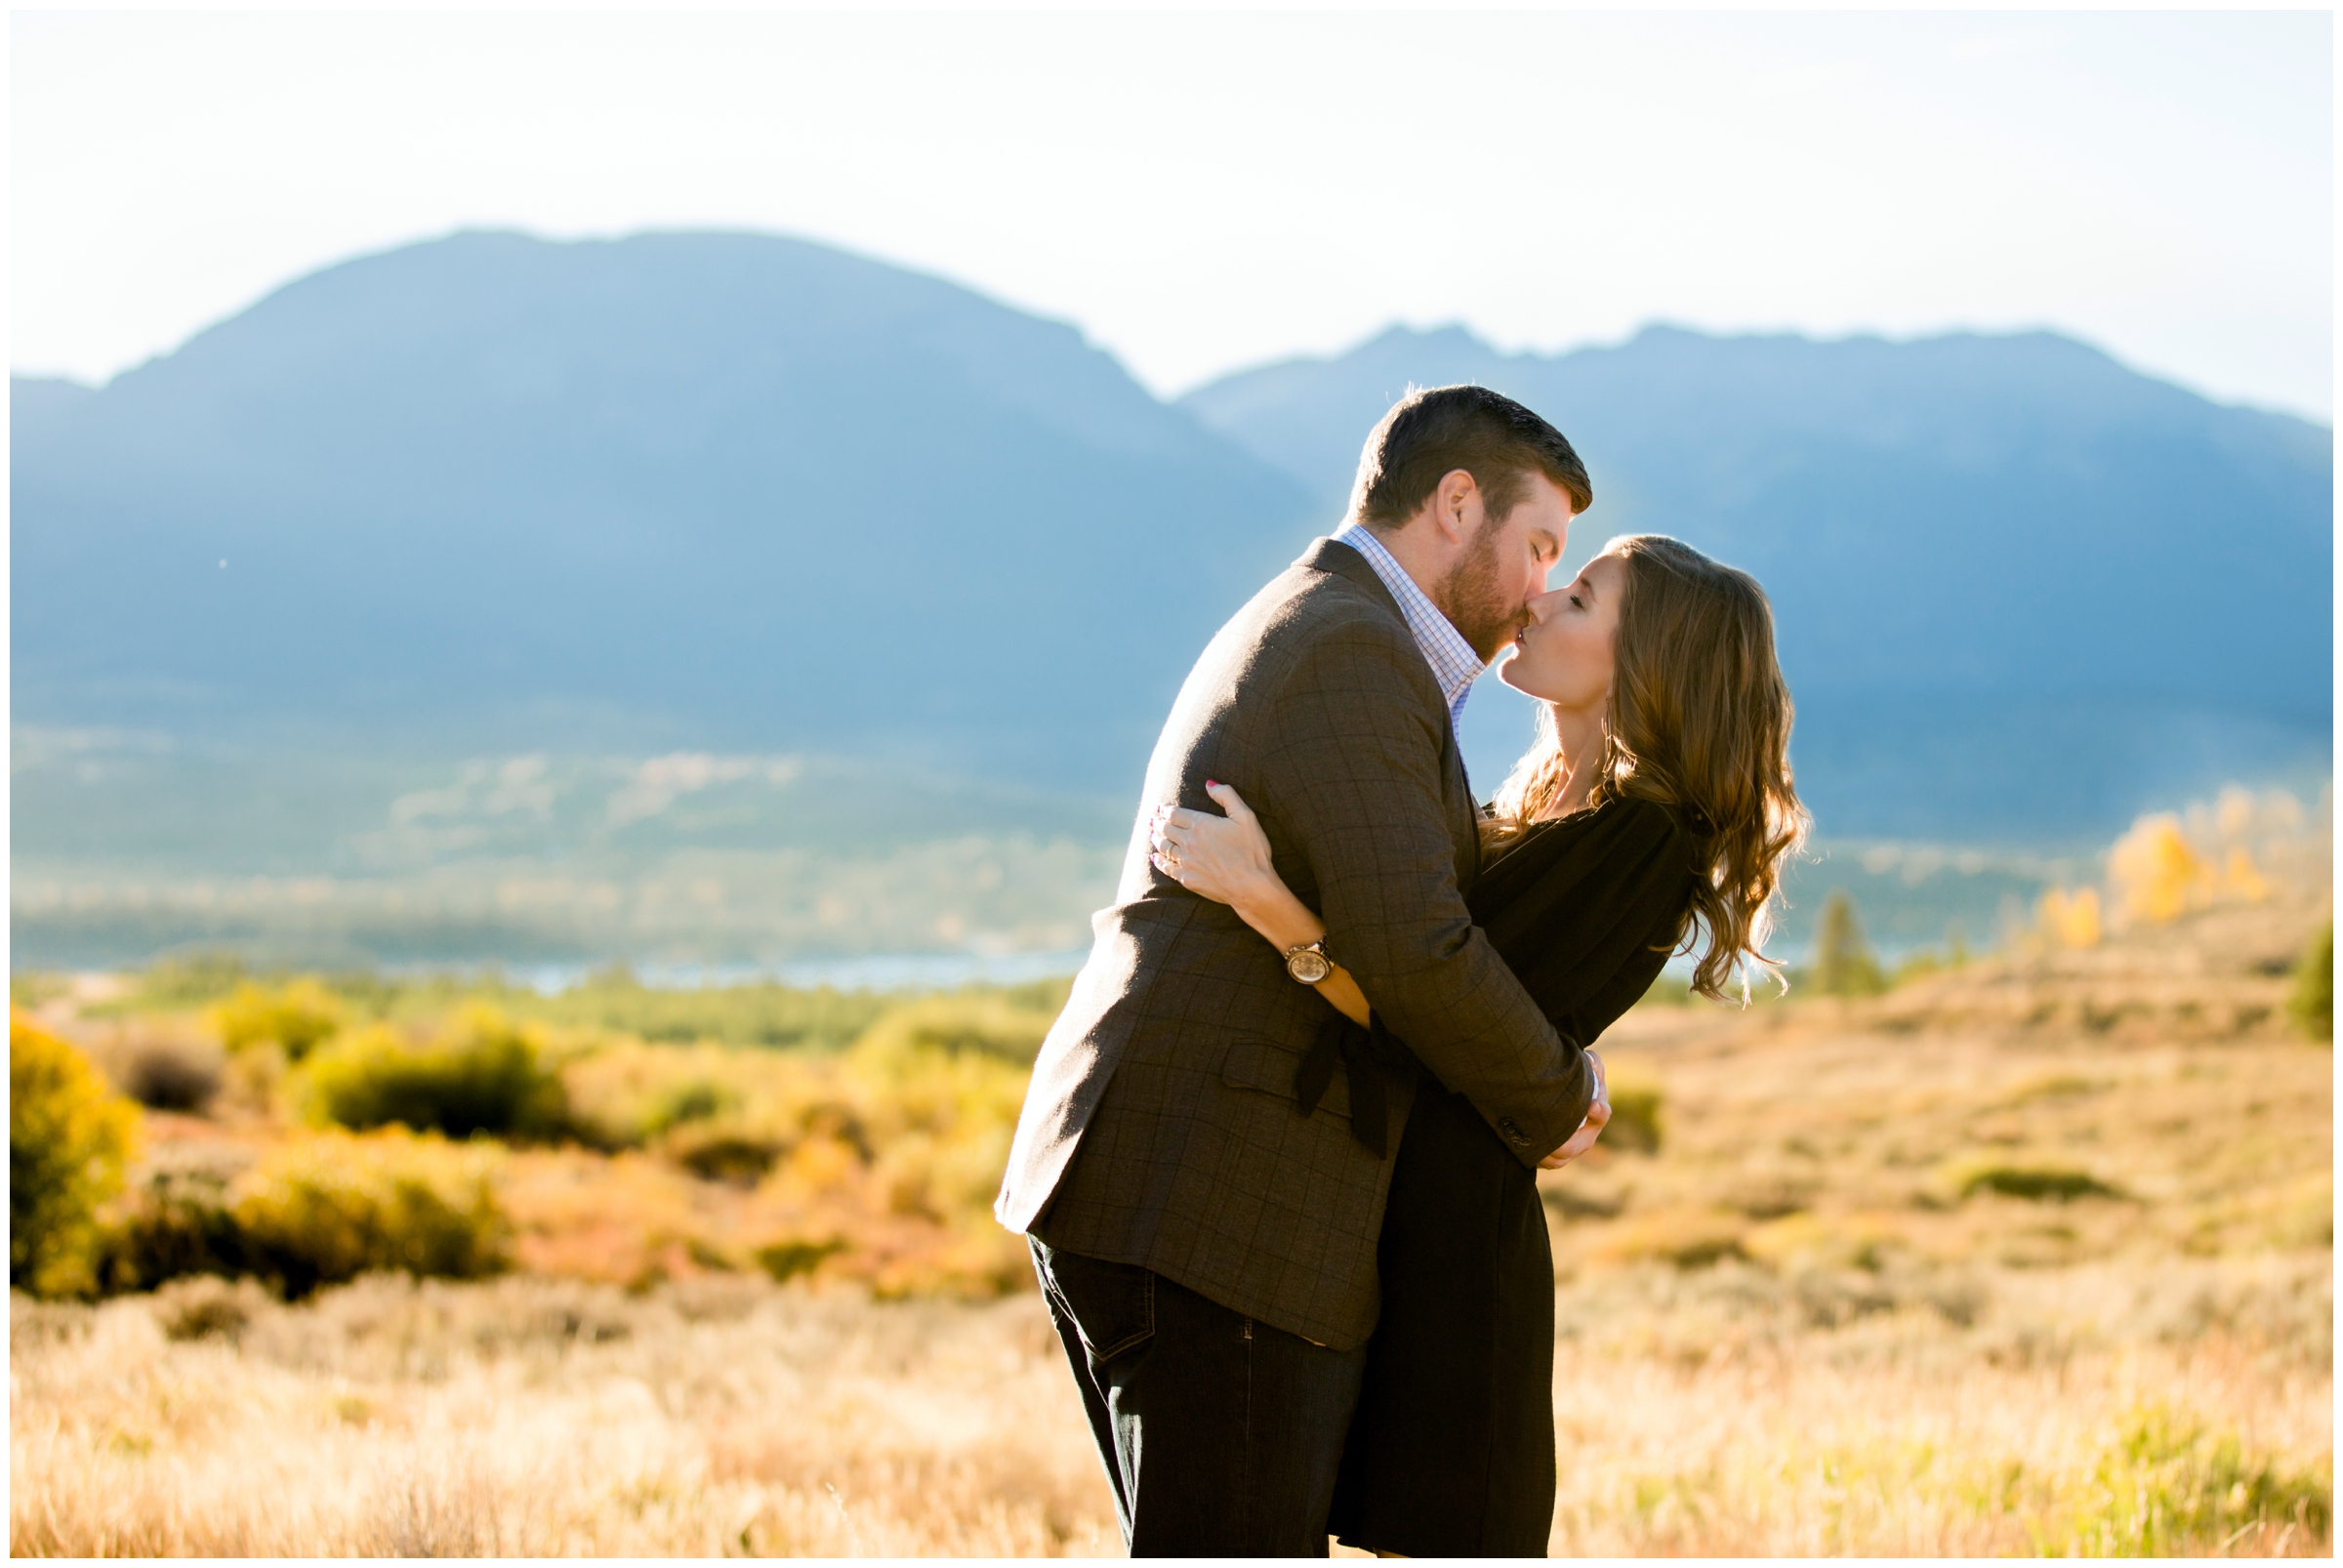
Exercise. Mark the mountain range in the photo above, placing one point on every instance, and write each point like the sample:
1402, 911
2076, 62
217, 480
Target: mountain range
2019, 588
729, 489
740, 495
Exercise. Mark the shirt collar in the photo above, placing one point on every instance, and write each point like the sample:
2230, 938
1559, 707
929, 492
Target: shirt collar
1455, 665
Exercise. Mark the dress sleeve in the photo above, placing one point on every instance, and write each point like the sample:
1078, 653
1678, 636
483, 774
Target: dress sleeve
1586, 912
1599, 1011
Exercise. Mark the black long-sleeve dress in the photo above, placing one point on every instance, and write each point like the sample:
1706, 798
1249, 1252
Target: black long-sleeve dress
1452, 1450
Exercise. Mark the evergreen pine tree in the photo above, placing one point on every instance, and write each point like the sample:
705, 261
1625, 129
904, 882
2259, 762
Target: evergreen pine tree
1844, 965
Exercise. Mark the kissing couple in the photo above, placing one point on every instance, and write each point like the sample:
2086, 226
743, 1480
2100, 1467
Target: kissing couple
1278, 1164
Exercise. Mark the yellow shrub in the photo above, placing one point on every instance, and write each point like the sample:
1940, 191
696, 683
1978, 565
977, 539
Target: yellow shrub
1685, 1235
69, 1139
1837, 1241
945, 1177
959, 1026
331, 1206
2242, 879
2069, 918
621, 1095
298, 1017
624, 1094
877, 1164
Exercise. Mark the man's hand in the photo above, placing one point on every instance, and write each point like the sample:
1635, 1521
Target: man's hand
1598, 1117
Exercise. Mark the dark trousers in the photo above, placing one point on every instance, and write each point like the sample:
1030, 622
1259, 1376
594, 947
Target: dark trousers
1221, 1435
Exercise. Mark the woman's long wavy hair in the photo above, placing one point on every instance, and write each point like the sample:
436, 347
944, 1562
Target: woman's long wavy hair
1700, 722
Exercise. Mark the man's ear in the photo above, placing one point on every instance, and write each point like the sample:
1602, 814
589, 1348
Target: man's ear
1456, 506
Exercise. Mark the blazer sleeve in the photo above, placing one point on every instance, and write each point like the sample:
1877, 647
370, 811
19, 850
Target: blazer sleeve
1352, 770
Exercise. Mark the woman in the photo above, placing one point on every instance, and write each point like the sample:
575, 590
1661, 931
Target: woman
1649, 817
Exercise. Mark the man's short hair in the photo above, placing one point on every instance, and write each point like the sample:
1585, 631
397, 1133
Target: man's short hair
1431, 433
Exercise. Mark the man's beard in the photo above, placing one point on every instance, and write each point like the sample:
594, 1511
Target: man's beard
1470, 596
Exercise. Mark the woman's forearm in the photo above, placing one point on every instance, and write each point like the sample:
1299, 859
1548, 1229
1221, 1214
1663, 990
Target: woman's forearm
1285, 923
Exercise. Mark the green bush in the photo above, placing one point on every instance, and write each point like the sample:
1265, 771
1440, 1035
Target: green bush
721, 1152
298, 1017
2311, 1004
173, 1227
2038, 1182
481, 1074
30, 988
69, 1139
168, 1072
188, 980
334, 1206
2168, 1486
785, 1261
1635, 1118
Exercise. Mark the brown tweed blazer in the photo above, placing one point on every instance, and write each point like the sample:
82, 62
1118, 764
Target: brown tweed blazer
1162, 1128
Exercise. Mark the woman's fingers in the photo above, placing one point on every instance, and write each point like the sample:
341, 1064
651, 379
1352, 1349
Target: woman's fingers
1227, 799
1598, 1116
1175, 824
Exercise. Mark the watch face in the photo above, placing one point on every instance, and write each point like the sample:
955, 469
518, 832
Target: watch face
1309, 965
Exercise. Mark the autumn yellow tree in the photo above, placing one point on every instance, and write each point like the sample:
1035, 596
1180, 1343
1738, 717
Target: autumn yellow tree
2156, 873
69, 1137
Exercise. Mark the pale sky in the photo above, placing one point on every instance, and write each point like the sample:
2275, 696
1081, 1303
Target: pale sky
1201, 191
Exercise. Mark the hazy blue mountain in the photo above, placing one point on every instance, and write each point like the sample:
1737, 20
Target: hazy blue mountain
724, 489
720, 502
40, 405
2022, 591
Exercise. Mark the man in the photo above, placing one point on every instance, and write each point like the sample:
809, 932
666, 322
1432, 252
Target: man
1207, 1247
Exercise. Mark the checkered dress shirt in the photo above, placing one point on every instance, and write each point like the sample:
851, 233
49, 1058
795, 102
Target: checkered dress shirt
1453, 663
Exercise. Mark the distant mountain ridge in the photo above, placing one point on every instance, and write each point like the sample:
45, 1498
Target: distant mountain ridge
2018, 586
728, 487
751, 495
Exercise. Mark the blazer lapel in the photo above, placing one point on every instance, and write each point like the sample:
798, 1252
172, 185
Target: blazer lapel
1340, 560
1469, 840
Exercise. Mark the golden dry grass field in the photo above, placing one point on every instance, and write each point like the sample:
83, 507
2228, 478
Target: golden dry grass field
2033, 1256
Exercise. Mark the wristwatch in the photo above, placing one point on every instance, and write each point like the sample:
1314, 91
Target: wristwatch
1308, 963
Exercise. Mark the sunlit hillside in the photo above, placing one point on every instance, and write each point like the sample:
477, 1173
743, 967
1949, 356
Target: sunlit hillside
2031, 1253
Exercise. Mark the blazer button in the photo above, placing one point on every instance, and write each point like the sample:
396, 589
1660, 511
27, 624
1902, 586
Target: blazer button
1512, 1131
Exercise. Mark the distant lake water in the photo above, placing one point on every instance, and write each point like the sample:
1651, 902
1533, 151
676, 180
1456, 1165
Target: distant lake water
868, 971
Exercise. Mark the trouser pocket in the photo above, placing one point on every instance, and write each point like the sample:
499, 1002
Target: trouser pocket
1112, 1304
